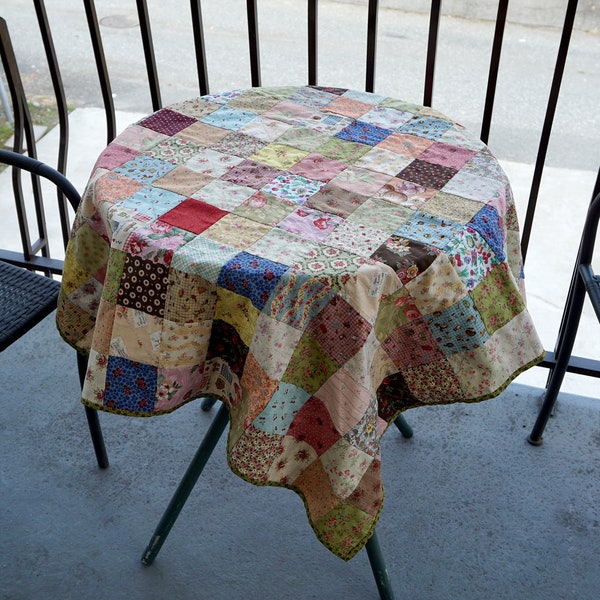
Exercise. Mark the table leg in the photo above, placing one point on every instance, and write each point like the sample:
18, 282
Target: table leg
382, 578
186, 485
403, 426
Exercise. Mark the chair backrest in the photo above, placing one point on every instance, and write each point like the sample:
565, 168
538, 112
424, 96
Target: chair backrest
159, 53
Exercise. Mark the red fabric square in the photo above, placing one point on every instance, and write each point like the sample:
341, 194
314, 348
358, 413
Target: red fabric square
167, 121
314, 426
193, 215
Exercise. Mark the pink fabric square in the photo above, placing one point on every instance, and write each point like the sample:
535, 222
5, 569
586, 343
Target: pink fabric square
348, 107
316, 166
310, 223
447, 155
114, 156
193, 215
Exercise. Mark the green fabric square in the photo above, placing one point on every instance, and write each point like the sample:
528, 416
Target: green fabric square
497, 298
343, 150
310, 366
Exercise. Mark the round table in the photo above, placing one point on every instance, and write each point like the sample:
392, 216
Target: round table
320, 260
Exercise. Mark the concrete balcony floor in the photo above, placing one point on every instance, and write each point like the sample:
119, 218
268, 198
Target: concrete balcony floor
472, 510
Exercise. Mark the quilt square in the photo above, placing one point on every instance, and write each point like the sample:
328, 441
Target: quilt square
313, 426
145, 168
310, 223
167, 121
193, 215
282, 409
265, 208
279, 156
387, 118
190, 298
342, 150
407, 257
236, 231
490, 226
434, 383
251, 174
114, 156
264, 129
361, 181
129, 385
380, 214
297, 298
355, 238
318, 167
347, 107
213, 163
273, 345
226, 344
240, 144
295, 188
430, 230
224, 194
195, 107
447, 155
183, 181
151, 202
383, 161
336, 200
458, 328
497, 309
412, 344
202, 134
228, 118
427, 174
251, 276
175, 150
405, 193
364, 133
282, 246
305, 138
405, 144
339, 329
143, 286
203, 257
431, 128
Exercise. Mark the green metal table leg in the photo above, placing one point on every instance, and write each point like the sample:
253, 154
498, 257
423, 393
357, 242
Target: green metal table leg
186, 485
403, 426
382, 578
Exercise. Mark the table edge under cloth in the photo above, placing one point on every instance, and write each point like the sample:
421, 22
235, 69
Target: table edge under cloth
394, 410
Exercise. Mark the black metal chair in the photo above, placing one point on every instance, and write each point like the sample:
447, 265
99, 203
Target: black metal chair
584, 281
27, 297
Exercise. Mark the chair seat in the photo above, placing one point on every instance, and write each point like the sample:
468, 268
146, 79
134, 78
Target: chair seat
25, 299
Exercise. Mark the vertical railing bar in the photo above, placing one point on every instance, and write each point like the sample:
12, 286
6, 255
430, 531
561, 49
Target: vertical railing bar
149, 56
199, 46
490, 95
434, 24
371, 45
312, 22
62, 109
251, 11
101, 68
22, 122
548, 121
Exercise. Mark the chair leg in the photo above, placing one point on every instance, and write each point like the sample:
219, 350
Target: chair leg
564, 347
92, 419
382, 578
207, 404
186, 485
403, 426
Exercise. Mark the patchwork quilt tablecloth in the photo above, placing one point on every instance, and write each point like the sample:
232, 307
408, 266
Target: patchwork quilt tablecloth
320, 260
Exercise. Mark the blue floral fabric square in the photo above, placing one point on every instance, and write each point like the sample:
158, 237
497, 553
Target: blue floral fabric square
251, 276
127, 383
488, 223
429, 229
426, 127
364, 133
